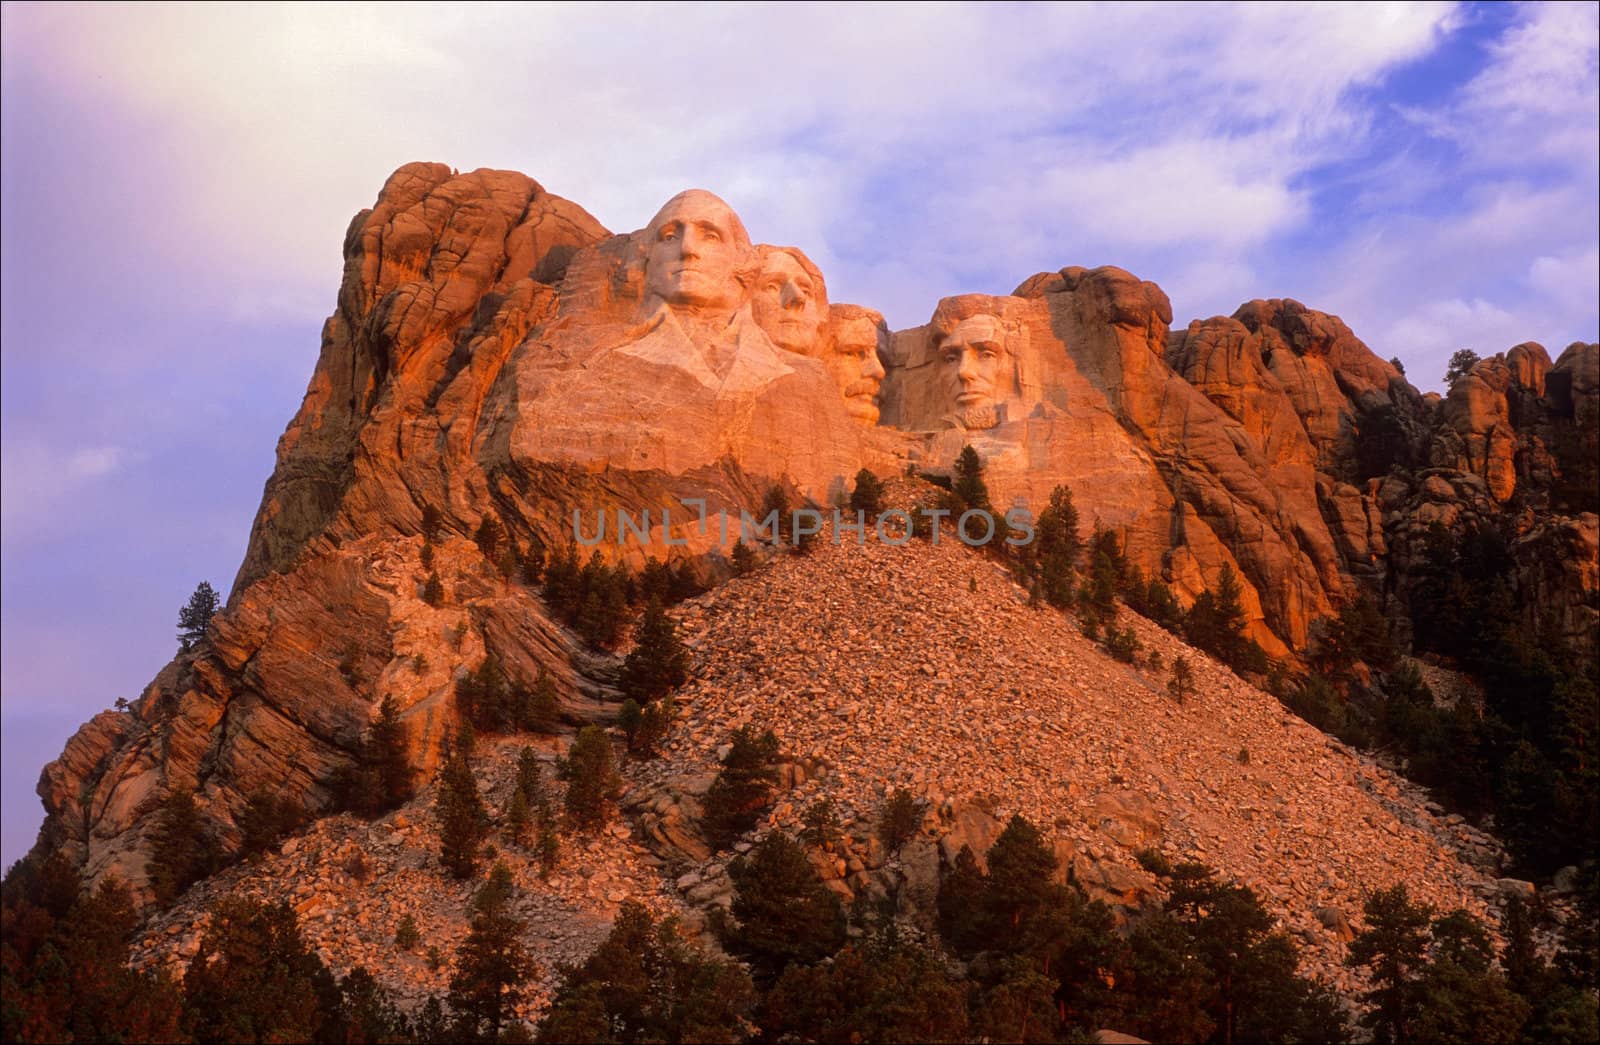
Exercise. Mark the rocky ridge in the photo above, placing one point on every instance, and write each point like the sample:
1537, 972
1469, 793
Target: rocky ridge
452, 377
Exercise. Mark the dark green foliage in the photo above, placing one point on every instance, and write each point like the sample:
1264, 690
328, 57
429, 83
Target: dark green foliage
1020, 1006
387, 751
1122, 643
783, 912
425, 557
64, 972
488, 537
381, 777
1464, 998
592, 600
1218, 960
195, 616
531, 564
1215, 623
519, 819
1181, 684
432, 522
775, 506
255, 978
406, 936
489, 699
592, 781
1579, 957
267, 816
1162, 607
1462, 360
744, 560
182, 848
821, 824
972, 494
658, 662
1528, 755
867, 496
463, 820
900, 819
1393, 948
542, 712
883, 990
646, 982
433, 590
492, 967
743, 787
365, 1013
961, 894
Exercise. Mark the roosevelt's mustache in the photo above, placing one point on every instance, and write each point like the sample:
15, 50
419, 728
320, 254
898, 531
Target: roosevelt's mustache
863, 387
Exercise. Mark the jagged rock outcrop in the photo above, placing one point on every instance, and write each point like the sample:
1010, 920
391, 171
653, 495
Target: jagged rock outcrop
496, 352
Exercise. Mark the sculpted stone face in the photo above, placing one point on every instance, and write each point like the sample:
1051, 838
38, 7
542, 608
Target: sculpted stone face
975, 366
695, 246
855, 365
788, 303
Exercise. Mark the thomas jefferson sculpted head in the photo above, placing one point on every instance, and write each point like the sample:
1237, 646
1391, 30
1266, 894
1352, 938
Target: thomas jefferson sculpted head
696, 249
790, 302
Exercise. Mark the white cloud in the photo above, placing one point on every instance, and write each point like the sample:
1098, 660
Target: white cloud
1035, 130
1439, 328
38, 481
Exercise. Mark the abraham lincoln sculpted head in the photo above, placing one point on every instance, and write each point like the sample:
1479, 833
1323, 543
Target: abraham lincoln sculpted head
696, 251
978, 360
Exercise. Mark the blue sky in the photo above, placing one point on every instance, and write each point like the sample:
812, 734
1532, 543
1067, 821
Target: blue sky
177, 182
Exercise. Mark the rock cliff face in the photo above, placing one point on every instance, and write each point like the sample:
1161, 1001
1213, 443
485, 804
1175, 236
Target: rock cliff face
496, 352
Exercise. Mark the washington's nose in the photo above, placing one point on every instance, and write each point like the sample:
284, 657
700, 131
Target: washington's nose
791, 296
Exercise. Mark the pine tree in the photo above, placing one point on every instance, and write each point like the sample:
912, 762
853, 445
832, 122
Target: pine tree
541, 713
1058, 547
658, 662
783, 911
406, 935
387, 750
433, 590
463, 821
868, 495
432, 522
744, 560
182, 849
645, 982
519, 819
492, 966
1181, 685
195, 617
592, 779
255, 978
266, 817
969, 488
1393, 948
960, 902
1461, 363
743, 786
775, 505
488, 537
530, 780
900, 819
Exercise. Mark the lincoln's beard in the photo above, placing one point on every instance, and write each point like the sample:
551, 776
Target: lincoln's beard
986, 415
